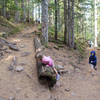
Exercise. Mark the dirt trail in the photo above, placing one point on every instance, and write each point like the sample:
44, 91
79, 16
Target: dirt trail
77, 84
21, 85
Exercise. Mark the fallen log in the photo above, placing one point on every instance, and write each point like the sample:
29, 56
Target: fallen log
10, 45
44, 73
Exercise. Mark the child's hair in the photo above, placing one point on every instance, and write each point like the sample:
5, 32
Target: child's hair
40, 57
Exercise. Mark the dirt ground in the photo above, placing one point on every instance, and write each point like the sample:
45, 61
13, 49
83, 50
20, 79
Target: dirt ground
76, 84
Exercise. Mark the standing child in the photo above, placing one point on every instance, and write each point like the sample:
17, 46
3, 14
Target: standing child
93, 60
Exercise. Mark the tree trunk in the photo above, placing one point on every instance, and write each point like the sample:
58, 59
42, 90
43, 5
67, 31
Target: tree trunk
39, 8
4, 8
33, 11
44, 21
65, 21
23, 11
96, 33
58, 14
85, 34
28, 13
72, 24
56, 31
17, 19
69, 23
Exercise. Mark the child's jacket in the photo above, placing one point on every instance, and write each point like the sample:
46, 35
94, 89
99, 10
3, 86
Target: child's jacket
47, 61
93, 58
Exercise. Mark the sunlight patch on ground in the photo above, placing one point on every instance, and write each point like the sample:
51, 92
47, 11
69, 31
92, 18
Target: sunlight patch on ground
8, 58
16, 40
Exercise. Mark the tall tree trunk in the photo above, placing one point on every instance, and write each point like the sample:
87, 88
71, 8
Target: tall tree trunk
65, 21
44, 21
69, 23
24, 12
33, 13
96, 33
39, 12
85, 33
72, 24
58, 14
4, 8
56, 17
17, 19
28, 13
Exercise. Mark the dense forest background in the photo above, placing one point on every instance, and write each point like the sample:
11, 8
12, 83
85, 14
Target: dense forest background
67, 20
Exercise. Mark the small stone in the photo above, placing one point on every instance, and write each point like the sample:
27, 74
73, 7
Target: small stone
19, 68
11, 98
77, 70
22, 64
4, 34
8, 51
22, 46
29, 76
63, 71
56, 47
67, 89
25, 54
18, 90
10, 67
73, 94
60, 67
33, 32
13, 47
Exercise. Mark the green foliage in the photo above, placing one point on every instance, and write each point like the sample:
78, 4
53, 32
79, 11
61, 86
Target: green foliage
39, 27
7, 23
51, 31
81, 45
13, 27
14, 31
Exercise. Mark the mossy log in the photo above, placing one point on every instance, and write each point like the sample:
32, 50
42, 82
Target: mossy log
44, 72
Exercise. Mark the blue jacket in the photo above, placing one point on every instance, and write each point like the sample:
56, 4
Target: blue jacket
93, 58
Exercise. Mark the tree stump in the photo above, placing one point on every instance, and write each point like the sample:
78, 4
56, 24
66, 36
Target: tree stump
44, 72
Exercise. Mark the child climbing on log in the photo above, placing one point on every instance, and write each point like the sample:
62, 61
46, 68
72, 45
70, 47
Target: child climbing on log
48, 61
93, 60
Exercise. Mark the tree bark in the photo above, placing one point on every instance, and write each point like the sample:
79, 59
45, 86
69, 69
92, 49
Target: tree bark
23, 10
58, 14
65, 21
69, 23
28, 13
4, 8
17, 19
44, 21
96, 32
72, 24
56, 18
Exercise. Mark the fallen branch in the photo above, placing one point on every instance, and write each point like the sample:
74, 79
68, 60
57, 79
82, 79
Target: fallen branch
10, 45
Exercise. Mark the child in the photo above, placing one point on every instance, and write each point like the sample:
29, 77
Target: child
93, 60
47, 61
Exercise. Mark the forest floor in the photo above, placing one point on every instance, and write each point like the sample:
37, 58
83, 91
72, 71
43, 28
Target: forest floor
76, 84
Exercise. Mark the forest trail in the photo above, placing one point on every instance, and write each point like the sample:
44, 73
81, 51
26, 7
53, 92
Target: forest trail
77, 84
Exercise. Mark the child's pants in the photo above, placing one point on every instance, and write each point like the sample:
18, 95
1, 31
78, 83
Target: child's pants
92, 66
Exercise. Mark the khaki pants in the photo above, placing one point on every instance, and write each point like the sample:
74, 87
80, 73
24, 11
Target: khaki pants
92, 66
